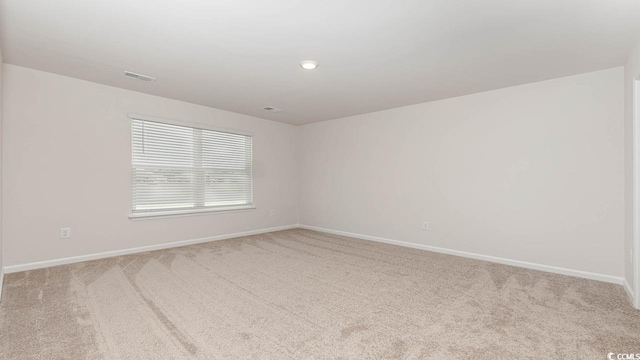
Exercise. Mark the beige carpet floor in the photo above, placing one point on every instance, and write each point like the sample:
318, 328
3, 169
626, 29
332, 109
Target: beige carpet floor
300, 294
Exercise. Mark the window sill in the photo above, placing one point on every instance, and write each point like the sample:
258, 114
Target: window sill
181, 213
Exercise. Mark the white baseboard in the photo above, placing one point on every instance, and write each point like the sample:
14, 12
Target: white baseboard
523, 264
628, 290
1, 281
102, 255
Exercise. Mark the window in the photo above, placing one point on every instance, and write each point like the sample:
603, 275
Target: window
181, 169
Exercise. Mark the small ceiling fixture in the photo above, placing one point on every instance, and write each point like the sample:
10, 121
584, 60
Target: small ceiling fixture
271, 108
309, 64
135, 76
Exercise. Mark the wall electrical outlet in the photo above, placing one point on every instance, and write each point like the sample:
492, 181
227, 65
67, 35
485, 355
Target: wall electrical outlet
65, 233
426, 226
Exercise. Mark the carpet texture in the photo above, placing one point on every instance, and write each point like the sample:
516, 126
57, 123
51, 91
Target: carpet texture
300, 294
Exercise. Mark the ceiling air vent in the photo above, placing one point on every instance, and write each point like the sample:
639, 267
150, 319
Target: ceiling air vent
271, 108
132, 75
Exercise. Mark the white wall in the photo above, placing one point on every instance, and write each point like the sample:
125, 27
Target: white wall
531, 173
631, 72
67, 164
1, 165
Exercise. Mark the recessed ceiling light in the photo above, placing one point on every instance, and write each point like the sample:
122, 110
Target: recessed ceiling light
308, 64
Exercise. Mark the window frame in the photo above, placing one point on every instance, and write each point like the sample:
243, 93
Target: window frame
182, 212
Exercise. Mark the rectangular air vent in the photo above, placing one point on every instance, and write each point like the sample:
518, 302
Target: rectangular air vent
132, 75
272, 109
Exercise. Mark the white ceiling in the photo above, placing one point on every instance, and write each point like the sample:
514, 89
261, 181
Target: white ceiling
242, 55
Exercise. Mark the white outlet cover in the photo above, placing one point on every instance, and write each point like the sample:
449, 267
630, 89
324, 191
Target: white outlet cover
65, 233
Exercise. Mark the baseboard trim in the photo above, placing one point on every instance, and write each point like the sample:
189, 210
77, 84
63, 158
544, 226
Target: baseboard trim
494, 259
628, 290
102, 255
1, 281
523, 264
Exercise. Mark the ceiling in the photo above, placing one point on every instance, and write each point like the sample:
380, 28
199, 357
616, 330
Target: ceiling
243, 55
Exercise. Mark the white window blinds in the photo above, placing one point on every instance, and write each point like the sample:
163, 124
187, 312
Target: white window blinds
183, 169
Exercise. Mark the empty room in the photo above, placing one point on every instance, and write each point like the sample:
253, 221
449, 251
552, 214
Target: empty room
419, 179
